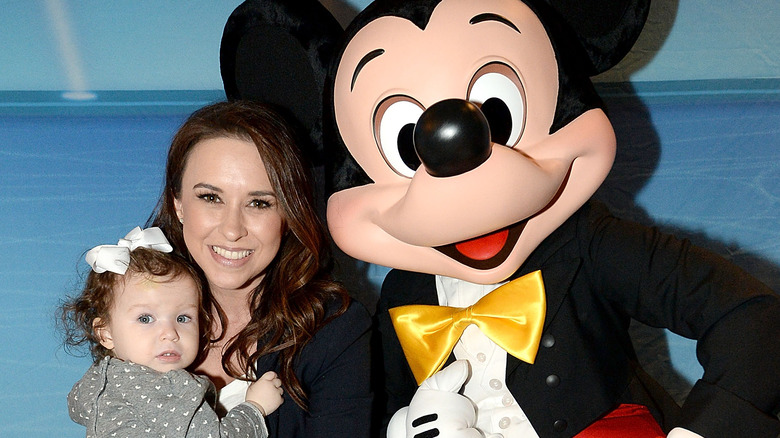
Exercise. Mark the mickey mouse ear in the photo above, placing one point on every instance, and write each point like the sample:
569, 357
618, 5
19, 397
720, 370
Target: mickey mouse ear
606, 29
277, 52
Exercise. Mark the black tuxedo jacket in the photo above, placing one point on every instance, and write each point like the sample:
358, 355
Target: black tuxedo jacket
599, 272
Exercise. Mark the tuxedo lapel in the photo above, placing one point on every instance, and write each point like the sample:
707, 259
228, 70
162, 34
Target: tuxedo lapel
411, 288
557, 278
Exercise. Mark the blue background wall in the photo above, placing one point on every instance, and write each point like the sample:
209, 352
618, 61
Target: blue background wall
697, 123
174, 45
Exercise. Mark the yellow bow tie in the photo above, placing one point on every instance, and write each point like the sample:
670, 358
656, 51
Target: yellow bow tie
511, 316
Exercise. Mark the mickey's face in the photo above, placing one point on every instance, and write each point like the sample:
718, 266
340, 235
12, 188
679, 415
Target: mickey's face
452, 123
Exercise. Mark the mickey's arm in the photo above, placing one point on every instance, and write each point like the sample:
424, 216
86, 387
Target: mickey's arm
666, 282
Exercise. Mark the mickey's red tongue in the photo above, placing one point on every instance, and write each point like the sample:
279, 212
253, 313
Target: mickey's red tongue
485, 247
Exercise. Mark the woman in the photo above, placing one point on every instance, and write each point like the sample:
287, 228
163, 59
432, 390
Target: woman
238, 203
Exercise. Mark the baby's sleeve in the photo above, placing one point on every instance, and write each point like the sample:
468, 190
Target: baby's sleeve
244, 420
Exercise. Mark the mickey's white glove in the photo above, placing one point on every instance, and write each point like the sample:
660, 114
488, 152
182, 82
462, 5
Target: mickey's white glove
679, 432
437, 409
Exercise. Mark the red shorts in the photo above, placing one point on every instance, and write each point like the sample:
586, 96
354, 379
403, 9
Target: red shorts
627, 421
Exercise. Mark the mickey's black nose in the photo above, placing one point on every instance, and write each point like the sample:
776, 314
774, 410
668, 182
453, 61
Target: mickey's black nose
452, 137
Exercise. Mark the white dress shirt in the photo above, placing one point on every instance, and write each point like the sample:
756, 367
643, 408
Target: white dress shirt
498, 414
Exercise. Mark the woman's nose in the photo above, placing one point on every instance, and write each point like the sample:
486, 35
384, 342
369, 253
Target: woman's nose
452, 137
232, 225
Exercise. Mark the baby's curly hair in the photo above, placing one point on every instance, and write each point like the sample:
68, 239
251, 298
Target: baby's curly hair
77, 314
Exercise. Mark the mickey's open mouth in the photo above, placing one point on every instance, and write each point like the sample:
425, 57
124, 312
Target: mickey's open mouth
487, 251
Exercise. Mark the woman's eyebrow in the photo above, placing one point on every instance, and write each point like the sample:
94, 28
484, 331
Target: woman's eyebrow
481, 18
363, 61
262, 193
207, 186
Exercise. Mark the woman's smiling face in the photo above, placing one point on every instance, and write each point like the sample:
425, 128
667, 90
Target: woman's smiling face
230, 213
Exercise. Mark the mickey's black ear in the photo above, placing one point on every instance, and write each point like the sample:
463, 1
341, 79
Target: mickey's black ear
606, 29
277, 52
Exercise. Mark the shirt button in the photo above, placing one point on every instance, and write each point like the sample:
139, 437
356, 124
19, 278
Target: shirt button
548, 341
560, 425
481, 357
495, 384
504, 423
507, 400
553, 380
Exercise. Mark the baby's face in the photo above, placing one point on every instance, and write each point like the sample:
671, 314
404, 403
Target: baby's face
154, 322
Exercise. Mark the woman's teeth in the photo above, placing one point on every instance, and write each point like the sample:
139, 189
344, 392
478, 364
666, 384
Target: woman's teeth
231, 255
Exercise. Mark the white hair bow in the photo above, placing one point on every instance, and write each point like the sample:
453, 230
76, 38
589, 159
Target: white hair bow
116, 258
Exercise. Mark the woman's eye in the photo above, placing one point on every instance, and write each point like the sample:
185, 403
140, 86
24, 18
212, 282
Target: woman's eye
181, 319
259, 203
394, 132
145, 319
209, 197
501, 98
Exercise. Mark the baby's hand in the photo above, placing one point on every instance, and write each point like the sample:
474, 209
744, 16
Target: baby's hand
266, 392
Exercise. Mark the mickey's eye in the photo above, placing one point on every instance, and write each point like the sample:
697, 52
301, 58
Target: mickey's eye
498, 91
393, 129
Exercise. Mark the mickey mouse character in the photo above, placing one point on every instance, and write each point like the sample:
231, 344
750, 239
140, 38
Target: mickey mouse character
507, 311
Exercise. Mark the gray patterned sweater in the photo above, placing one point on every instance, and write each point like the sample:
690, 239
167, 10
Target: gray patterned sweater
124, 400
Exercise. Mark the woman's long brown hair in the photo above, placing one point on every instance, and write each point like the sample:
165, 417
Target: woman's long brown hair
289, 305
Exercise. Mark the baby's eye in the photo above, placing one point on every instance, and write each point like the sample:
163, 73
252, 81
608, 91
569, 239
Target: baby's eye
145, 319
181, 319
